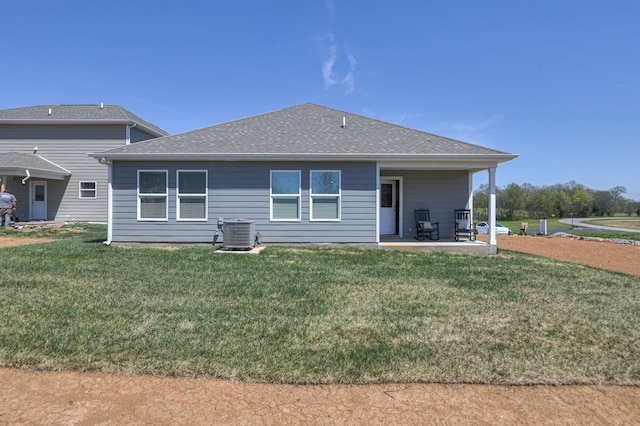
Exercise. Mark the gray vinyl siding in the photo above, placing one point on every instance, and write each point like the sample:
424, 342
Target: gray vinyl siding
241, 191
21, 192
67, 146
137, 135
440, 191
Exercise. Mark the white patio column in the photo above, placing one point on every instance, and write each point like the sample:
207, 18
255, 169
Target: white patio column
492, 206
470, 199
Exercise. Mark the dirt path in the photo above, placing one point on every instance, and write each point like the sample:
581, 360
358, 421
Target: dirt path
614, 257
81, 398
73, 398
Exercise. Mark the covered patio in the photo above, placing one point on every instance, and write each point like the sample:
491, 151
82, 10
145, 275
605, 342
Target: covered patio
442, 188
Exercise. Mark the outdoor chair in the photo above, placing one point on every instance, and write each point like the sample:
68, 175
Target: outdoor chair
464, 229
425, 229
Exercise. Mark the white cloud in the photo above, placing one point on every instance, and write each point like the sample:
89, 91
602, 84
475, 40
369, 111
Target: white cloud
328, 73
349, 80
327, 65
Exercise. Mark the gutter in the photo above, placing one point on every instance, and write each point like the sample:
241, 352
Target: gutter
301, 156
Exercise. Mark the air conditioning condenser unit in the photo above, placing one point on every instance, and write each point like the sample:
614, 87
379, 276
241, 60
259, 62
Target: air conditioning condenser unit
238, 234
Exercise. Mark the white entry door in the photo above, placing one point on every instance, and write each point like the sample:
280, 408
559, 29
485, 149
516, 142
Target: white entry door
38, 196
388, 207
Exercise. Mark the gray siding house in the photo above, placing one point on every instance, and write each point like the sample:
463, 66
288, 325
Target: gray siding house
44, 162
305, 174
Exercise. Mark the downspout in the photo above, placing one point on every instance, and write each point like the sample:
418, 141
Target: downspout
377, 203
128, 135
24, 181
109, 201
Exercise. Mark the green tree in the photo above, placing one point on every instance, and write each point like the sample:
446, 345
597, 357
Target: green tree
581, 203
618, 200
481, 201
513, 200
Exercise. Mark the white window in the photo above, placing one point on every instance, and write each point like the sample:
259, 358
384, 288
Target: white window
152, 195
88, 190
285, 195
325, 195
192, 195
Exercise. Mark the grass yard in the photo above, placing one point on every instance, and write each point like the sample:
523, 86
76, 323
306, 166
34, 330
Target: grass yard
534, 225
315, 315
610, 235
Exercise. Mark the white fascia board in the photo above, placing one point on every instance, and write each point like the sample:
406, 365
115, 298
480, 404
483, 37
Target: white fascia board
385, 159
68, 172
34, 173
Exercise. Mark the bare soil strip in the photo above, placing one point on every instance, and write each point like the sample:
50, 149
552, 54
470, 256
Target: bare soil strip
611, 256
75, 398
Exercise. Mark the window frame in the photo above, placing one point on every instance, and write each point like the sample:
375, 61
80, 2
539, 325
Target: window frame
337, 196
291, 196
204, 195
81, 190
140, 195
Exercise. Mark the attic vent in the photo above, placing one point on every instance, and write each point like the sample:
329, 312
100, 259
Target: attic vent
239, 234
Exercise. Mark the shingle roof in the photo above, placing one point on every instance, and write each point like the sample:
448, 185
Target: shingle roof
32, 162
76, 113
304, 130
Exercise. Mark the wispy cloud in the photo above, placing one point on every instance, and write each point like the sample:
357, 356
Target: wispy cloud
329, 64
349, 80
331, 9
473, 131
333, 55
406, 116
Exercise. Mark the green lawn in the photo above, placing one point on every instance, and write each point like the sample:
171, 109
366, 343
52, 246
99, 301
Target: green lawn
534, 224
611, 235
315, 315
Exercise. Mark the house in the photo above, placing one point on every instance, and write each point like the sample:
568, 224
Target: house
305, 174
44, 162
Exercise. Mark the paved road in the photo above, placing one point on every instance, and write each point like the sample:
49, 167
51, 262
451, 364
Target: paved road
580, 222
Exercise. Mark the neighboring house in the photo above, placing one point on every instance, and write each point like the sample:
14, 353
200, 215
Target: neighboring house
44, 162
305, 174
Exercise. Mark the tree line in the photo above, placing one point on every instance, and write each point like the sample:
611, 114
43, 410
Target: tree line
571, 199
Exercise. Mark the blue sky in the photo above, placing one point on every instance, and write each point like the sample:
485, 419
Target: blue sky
557, 82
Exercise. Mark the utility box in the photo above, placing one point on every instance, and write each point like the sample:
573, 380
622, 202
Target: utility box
543, 226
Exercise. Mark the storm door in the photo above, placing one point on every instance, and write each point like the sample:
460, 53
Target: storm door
388, 207
38, 197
